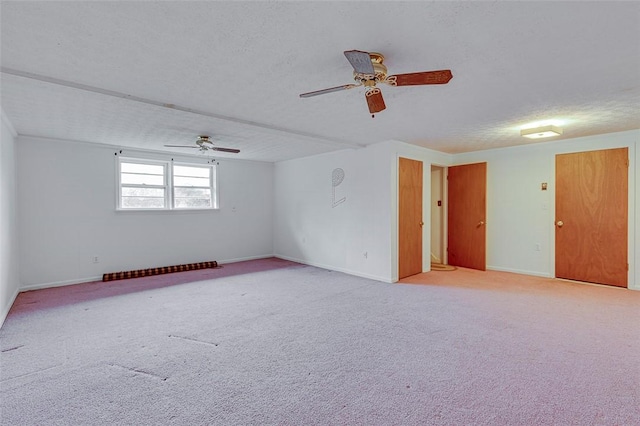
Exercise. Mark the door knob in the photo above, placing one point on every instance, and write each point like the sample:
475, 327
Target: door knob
421, 223
481, 223
559, 223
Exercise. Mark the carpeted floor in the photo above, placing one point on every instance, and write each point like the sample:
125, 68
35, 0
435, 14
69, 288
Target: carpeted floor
274, 342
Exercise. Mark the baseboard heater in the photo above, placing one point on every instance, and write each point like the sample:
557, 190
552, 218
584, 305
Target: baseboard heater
139, 273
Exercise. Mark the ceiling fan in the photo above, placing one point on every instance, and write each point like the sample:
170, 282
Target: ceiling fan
204, 144
369, 70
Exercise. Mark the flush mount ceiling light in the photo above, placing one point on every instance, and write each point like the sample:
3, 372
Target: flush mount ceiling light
541, 132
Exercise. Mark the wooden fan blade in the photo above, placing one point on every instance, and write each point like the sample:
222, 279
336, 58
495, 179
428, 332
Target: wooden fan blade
375, 100
330, 90
419, 78
182, 146
360, 61
216, 148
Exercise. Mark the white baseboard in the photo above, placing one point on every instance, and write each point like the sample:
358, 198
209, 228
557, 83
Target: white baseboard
242, 259
60, 283
545, 275
40, 286
7, 307
519, 271
332, 268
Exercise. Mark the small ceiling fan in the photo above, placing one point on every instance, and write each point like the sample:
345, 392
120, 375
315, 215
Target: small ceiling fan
204, 144
369, 70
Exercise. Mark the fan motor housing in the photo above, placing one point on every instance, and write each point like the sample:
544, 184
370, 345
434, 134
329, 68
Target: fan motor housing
379, 68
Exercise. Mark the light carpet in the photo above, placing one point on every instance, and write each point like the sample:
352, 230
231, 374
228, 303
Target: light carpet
274, 342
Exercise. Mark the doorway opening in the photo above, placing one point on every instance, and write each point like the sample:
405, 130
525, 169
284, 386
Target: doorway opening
438, 216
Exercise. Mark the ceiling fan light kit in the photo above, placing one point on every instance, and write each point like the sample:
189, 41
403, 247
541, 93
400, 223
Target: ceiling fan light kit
541, 132
204, 144
369, 70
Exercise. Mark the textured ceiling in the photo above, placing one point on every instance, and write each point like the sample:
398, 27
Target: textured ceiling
145, 74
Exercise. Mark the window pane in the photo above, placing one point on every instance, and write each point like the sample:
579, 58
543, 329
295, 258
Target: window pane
129, 178
143, 192
191, 181
185, 198
192, 193
148, 185
142, 203
149, 169
184, 203
191, 171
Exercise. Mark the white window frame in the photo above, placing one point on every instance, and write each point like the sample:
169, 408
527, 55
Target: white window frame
168, 184
212, 185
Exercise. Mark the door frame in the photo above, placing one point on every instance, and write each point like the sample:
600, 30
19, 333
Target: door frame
443, 170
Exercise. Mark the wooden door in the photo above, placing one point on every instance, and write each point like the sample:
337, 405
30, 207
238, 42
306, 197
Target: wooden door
467, 194
409, 217
591, 216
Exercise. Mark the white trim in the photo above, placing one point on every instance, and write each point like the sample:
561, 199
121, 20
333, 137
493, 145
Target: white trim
168, 183
8, 123
211, 168
61, 283
7, 308
87, 280
519, 271
332, 268
166, 211
243, 259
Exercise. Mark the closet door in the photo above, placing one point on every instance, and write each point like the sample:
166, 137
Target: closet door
591, 216
410, 222
466, 215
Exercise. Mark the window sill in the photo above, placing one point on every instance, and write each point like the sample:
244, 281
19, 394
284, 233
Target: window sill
167, 211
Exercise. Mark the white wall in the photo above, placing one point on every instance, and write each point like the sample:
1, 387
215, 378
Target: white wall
9, 278
309, 229
359, 236
66, 202
66, 205
521, 215
429, 158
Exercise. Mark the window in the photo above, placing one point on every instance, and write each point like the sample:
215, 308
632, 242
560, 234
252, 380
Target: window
192, 187
143, 185
163, 185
